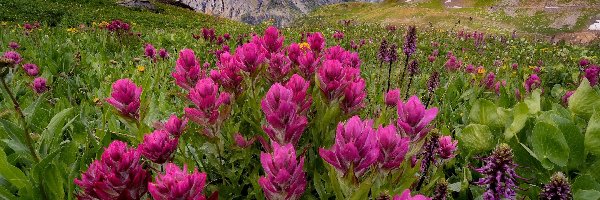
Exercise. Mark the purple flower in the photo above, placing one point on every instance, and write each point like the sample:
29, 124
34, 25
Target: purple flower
39, 85
307, 63
294, 52
284, 177
410, 41
272, 41
175, 126
178, 184
299, 87
13, 45
125, 97
447, 147
27, 26
392, 54
489, 80
355, 147
584, 62
228, 74
208, 100
433, 82
354, 95
338, 35
499, 174
31, 69
453, 64
392, 97
150, 51
163, 53
279, 67
117, 175
392, 147
470, 69
382, 54
158, 146
331, 78
592, 73
252, 55
316, 42
558, 188
241, 142
515, 66
565, 98
14, 56
414, 119
406, 196
208, 34
187, 71
532, 82
284, 124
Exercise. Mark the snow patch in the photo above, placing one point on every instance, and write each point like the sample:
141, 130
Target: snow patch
595, 26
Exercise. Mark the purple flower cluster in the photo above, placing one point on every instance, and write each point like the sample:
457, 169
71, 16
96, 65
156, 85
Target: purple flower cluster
207, 100
414, 118
558, 188
532, 83
592, 73
285, 123
118, 26
187, 70
178, 184
499, 174
284, 177
159, 146
125, 97
410, 41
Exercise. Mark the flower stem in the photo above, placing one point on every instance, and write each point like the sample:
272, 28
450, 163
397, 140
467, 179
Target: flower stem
28, 138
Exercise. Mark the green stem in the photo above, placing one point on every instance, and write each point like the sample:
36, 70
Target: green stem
28, 138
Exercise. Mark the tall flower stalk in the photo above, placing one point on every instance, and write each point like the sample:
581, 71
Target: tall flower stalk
499, 176
409, 48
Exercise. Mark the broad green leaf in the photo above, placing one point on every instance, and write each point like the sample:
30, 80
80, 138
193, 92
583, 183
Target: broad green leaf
520, 116
484, 112
11, 173
586, 195
575, 140
6, 195
548, 142
585, 182
592, 135
584, 100
51, 136
476, 138
533, 102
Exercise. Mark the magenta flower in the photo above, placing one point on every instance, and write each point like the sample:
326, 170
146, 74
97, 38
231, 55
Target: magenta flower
241, 142
414, 119
354, 95
565, 98
14, 56
488, 81
307, 63
453, 64
331, 78
117, 175
355, 147
27, 26
515, 66
175, 126
13, 45
31, 69
272, 41
125, 97
316, 42
338, 35
163, 53
208, 100
279, 67
293, 52
39, 85
150, 51
299, 87
336, 53
158, 146
178, 184
352, 60
228, 74
532, 82
284, 177
584, 62
592, 73
187, 71
406, 196
447, 147
208, 34
392, 147
431, 58
252, 55
284, 124
392, 97
470, 69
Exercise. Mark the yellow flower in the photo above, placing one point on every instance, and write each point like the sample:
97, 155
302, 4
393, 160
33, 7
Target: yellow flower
103, 24
481, 70
141, 68
72, 30
96, 100
304, 46
4, 23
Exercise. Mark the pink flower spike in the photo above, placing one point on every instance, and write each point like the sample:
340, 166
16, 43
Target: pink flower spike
414, 119
447, 147
158, 146
178, 184
284, 175
187, 71
125, 97
392, 97
175, 126
406, 196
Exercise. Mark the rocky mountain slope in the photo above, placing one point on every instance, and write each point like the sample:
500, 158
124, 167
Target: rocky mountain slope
256, 11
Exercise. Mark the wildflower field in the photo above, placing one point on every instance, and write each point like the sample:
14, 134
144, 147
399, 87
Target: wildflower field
115, 108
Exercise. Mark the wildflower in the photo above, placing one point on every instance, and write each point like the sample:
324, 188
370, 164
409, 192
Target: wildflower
453, 64
125, 97
499, 174
284, 177
532, 82
355, 147
565, 98
392, 97
354, 95
252, 55
241, 142
272, 41
175, 126
392, 147
141, 68
187, 70
226, 36
338, 35
307, 64
72, 30
489, 81
481, 70
447, 147
431, 58
158, 146
294, 52
414, 119
392, 54
299, 87
207, 99
441, 191
584, 62
558, 188
406, 196
470, 69
117, 175
410, 41
433, 82
13, 45
163, 53
284, 124
592, 73
304, 46
14, 56
279, 67
228, 75
178, 184
382, 54
331, 79
150, 51
39, 85
208, 34
31, 69
515, 66
316, 42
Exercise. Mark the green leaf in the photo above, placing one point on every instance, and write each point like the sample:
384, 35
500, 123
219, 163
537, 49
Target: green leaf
533, 102
484, 112
585, 182
11, 173
521, 114
592, 135
476, 138
363, 190
586, 195
7, 195
51, 136
575, 140
584, 100
548, 142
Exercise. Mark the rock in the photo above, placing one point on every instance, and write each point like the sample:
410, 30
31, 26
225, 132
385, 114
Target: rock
137, 4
